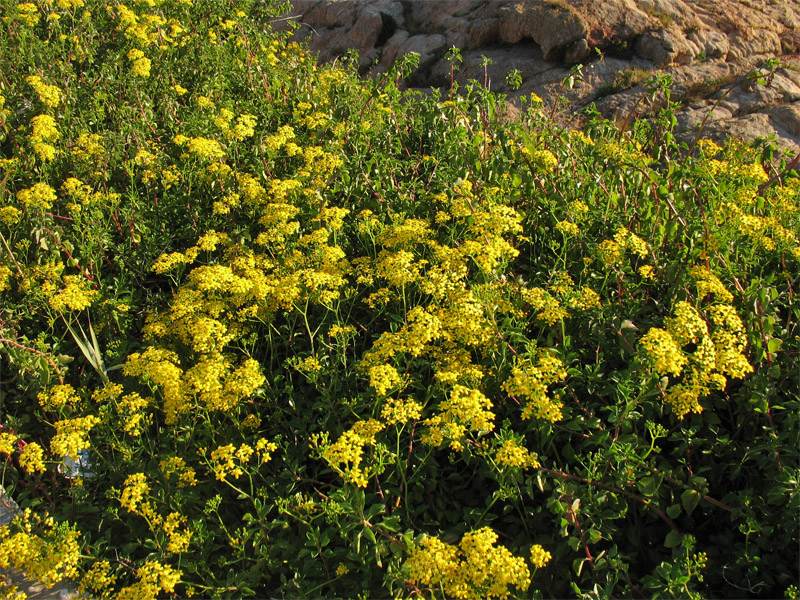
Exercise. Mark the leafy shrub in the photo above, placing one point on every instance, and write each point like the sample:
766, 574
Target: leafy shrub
269, 329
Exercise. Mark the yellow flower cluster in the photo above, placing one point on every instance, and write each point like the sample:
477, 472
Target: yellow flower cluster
58, 397
734, 170
43, 131
544, 161
175, 466
548, 309
568, 228
7, 442
206, 148
229, 460
143, 29
49, 95
27, 13
279, 139
398, 410
244, 127
5, 274
39, 196
31, 458
31, 454
76, 294
763, 231
133, 416
512, 454
88, 149
539, 556
134, 497
72, 436
707, 283
466, 410
174, 527
160, 366
345, 454
384, 378
530, 381
154, 577
664, 352
717, 353
97, 580
475, 569
45, 551
612, 252
140, 64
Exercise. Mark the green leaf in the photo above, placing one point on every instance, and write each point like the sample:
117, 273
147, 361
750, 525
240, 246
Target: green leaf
673, 511
774, 344
690, 499
673, 539
648, 485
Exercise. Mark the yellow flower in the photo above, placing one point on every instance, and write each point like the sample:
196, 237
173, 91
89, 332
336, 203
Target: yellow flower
7, 443
49, 95
400, 411
475, 569
72, 436
513, 455
206, 148
58, 397
76, 294
40, 196
97, 579
204, 102
568, 227
664, 352
45, 551
384, 378
31, 458
10, 215
539, 556
44, 129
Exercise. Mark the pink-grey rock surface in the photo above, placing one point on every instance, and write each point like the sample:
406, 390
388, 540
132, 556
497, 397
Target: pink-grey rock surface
707, 46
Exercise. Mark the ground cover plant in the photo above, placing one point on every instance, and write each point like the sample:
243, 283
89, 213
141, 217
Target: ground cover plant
271, 330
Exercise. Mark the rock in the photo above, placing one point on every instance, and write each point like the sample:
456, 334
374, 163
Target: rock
332, 44
392, 48
577, 52
552, 24
747, 44
664, 47
712, 44
707, 46
614, 23
669, 12
331, 13
787, 118
366, 29
751, 128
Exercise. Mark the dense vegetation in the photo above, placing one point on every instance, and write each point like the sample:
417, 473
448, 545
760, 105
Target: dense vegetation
270, 329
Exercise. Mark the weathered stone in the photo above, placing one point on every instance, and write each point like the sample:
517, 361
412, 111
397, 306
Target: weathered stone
366, 29
551, 24
707, 46
331, 13
714, 44
669, 12
787, 118
614, 22
664, 47
577, 51
746, 44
